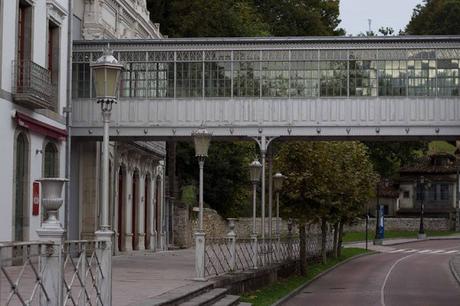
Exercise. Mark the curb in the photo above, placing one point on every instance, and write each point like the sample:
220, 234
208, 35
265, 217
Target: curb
453, 270
304, 285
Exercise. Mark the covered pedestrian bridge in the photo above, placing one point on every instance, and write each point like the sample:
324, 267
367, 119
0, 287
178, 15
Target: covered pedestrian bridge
317, 87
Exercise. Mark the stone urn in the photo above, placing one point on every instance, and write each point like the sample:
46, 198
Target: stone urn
52, 199
231, 225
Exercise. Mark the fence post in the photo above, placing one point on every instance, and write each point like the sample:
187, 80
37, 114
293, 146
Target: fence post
231, 237
255, 256
82, 297
289, 237
51, 265
200, 248
104, 255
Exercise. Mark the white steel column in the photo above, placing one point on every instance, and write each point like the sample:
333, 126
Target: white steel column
270, 203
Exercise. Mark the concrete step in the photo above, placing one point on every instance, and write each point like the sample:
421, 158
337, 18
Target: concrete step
206, 298
244, 304
228, 300
178, 295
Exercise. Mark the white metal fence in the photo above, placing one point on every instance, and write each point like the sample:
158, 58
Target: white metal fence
50, 273
230, 254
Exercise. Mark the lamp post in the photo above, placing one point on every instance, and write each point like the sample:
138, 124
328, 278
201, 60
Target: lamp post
106, 73
379, 220
255, 169
422, 184
278, 180
202, 139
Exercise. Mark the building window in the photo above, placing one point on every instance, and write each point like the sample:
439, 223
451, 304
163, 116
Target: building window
21, 183
406, 194
51, 160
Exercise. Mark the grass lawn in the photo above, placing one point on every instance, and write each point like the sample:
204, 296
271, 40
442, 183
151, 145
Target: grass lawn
361, 236
274, 292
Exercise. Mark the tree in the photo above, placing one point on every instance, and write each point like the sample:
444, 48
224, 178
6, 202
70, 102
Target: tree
207, 18
388, 157
435, 17
300, 17
226, 178
327, 182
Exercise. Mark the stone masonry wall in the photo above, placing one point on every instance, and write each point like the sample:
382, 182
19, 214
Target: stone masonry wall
216, 227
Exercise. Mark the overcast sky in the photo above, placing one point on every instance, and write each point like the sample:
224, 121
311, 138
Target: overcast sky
388, 13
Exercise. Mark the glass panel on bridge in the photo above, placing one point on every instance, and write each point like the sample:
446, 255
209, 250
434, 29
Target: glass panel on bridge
296, 73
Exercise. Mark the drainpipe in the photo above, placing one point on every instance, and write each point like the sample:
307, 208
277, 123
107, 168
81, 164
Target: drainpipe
68, 113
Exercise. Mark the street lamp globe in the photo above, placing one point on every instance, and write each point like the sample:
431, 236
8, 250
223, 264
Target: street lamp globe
255, 169
106, 73
278, 180
202, 139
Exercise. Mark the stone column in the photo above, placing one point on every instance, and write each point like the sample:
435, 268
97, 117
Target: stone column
199, 255
140, 234
51, 264
104, 276
151, 213
127, 239
163, 245
231, 239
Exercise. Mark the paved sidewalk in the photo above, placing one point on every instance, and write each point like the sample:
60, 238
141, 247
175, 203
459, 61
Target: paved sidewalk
139, 277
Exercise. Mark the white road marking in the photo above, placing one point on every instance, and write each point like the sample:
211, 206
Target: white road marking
411, 251
450, 252
437, 251
382, 289
397, 251
425, 251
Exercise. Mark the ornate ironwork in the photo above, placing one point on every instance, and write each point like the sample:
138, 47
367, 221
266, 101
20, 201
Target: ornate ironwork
81, 271
21, 274
32, 85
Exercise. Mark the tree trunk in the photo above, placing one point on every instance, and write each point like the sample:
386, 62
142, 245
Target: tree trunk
339, 246
323, 240
336, 232
303, 250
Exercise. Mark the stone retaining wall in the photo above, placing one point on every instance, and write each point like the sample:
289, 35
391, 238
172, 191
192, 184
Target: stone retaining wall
216, 227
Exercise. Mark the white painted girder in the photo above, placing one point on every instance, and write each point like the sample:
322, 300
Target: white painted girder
327, 117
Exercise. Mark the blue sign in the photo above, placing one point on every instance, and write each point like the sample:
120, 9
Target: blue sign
381, 227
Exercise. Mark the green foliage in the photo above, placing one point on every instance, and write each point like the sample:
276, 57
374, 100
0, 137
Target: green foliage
274, 292
218, 18
325, 180
435, 17
226, 175
300, 17
189, 195
207, 18
388, 157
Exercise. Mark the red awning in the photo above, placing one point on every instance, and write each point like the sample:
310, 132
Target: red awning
40, 127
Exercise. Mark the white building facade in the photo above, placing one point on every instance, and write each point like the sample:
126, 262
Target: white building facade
33, 72
137, 205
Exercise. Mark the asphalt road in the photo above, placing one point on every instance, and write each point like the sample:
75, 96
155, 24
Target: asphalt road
411, 274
